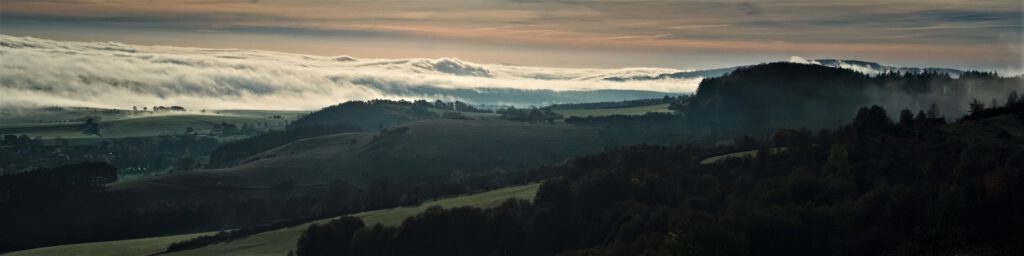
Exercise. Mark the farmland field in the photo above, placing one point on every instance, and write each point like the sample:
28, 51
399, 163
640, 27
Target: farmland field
637, 110
142, 246
276, 242
124, 125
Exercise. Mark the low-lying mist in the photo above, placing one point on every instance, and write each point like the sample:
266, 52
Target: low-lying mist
38, 72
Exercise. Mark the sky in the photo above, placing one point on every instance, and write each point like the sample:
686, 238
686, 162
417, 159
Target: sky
682, 34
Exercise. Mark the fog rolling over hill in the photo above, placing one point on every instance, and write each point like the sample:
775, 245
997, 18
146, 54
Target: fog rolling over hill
815, 96
39, 72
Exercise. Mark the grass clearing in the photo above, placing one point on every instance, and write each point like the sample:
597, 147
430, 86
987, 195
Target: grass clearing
144, 126
277, 242
133, 247
741, 154
487, 199
634, 111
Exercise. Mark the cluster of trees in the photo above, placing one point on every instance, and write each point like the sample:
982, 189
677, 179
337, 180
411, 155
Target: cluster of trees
167, 109
457, 106
532, 114
1013, 105
30, 199
874, 186
622, 104
90, 127
438, 104
142, 155
48, 184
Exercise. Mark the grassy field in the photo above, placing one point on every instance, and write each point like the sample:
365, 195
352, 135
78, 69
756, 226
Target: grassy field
66, 123
741, 154
133, 247
277, 242
483, 200
638, 110
121, 126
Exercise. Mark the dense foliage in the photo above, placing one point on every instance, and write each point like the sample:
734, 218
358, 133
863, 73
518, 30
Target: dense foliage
652, 127
874, 186
532, 115
132, 156
788, 95
621, 104
39, 201
54, 183
762, 98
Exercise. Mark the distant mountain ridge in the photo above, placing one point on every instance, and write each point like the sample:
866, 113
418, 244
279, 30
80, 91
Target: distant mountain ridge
866, 67
872, 68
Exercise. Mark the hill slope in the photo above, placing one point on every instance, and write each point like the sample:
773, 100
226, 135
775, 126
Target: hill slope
871, 187
788, 95
277, 242
431, 149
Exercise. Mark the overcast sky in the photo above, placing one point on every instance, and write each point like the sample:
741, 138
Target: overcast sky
573, 33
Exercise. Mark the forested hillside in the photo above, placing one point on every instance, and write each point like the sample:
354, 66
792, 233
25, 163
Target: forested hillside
875, 186
789, 95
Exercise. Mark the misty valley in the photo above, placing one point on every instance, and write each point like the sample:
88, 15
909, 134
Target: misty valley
782, 158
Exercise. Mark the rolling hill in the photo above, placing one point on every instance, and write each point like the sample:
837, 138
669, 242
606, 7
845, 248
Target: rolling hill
276, 242
422, 150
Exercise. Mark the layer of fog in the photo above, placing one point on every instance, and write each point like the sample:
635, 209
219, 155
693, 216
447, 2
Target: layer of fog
872, 68
37, 72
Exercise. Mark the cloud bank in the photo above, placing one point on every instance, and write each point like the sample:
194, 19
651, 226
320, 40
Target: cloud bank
38, 72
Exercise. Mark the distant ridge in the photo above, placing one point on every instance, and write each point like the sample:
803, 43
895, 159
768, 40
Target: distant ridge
866, 67
678, 75
876, 68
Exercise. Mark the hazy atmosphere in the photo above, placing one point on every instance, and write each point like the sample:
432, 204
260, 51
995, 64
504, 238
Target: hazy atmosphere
511, 127
112, 75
